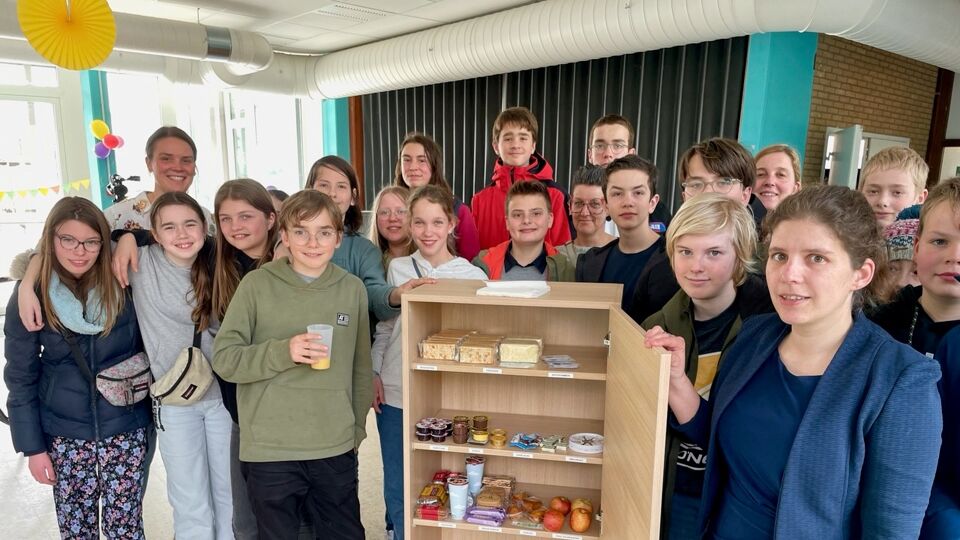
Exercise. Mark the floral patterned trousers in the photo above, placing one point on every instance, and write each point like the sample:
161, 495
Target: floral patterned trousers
95, 474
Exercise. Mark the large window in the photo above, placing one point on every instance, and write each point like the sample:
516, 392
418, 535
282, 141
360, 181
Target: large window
263, 134
134, 115
31, 158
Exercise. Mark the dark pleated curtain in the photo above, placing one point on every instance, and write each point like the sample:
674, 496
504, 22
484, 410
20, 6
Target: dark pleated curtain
674, 97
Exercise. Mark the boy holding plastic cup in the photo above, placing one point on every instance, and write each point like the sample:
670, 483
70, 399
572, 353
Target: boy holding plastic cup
300, 427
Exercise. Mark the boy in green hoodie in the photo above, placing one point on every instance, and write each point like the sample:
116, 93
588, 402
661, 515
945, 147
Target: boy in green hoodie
300, 427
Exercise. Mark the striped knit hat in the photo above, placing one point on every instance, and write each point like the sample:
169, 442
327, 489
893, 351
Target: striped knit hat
900, 237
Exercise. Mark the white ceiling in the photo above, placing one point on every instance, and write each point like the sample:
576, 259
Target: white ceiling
318, 26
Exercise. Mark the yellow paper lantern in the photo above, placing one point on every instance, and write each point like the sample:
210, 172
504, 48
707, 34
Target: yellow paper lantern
73, 34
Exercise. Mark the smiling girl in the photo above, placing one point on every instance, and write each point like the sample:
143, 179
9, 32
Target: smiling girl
778, 174
91, 452
432, 222
420, 163
336, 178
391, 231
815, 407
174, 291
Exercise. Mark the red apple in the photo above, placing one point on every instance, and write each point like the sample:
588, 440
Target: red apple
560, 504
553, 520
580, 520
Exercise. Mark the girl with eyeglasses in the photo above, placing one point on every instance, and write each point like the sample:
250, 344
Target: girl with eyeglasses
391, 230
91, 452
589, 210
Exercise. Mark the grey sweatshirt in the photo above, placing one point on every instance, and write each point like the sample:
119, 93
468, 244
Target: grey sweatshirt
163, 295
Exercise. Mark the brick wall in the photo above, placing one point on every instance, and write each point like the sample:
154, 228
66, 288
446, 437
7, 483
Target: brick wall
856, 84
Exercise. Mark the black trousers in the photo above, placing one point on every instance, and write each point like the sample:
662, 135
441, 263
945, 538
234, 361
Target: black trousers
326, 489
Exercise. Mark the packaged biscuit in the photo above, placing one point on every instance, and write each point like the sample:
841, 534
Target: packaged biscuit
439, 348
520, 350
478, 351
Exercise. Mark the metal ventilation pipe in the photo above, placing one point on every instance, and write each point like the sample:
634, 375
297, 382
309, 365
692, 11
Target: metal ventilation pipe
245, 52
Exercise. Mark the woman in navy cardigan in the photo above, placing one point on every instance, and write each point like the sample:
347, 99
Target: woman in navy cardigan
819, 424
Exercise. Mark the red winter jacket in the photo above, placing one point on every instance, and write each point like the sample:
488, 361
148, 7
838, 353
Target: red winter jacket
488, 204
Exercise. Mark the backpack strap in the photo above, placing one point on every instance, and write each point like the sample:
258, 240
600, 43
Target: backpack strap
197, 335
77, 355
416, 267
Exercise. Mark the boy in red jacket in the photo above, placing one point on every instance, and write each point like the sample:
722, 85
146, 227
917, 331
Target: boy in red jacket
515, 134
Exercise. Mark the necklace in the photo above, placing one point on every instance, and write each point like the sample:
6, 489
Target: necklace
913, 323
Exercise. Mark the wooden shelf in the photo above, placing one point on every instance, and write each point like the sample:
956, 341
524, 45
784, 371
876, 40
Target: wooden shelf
562, 295
592, 360
520, 423
545, 493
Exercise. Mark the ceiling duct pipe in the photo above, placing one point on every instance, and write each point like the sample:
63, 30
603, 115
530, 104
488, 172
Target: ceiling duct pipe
562, 31
244, 52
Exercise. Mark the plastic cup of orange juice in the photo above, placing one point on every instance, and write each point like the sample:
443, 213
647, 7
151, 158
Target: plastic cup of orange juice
326, 338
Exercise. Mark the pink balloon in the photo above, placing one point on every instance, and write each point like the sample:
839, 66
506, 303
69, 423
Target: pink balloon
111, 141
119, 141
101, 150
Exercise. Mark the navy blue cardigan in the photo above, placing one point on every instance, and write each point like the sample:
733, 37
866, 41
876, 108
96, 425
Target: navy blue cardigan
943, 515
865, 453
49, 395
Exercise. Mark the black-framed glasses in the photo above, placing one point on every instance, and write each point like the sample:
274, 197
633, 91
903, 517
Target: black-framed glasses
602, 147
70, 243
694, 186
594, 206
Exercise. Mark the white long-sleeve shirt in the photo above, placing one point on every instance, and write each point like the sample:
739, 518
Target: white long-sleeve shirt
387, 350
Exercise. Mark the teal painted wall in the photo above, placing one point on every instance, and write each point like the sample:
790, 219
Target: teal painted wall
778, 86
336, 128
96, 106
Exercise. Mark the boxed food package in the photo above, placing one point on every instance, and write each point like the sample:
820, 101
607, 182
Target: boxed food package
479, 349
439, 348
520, 350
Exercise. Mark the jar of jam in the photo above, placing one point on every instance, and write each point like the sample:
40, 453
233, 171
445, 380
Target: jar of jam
480, 422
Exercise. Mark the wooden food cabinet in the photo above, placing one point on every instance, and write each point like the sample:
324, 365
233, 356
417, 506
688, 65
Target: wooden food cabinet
618, 391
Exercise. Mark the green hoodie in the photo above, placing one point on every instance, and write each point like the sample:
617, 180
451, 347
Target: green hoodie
288, 411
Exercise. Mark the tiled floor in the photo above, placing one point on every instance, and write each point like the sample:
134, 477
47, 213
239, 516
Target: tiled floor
27, 507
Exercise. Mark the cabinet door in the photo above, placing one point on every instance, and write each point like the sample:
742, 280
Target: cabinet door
635, 425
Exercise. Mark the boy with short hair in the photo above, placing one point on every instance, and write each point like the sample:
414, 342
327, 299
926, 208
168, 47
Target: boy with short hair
527, 255
515, 134
928, 317
893, 179
630, 188
717, 165
611, 137
300, 427
723, 166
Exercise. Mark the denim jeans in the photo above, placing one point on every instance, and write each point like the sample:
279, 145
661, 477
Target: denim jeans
390, 427
195, 448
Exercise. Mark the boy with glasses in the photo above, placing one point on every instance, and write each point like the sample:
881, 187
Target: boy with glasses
588, 209
300, 428
718, 165
612, 137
